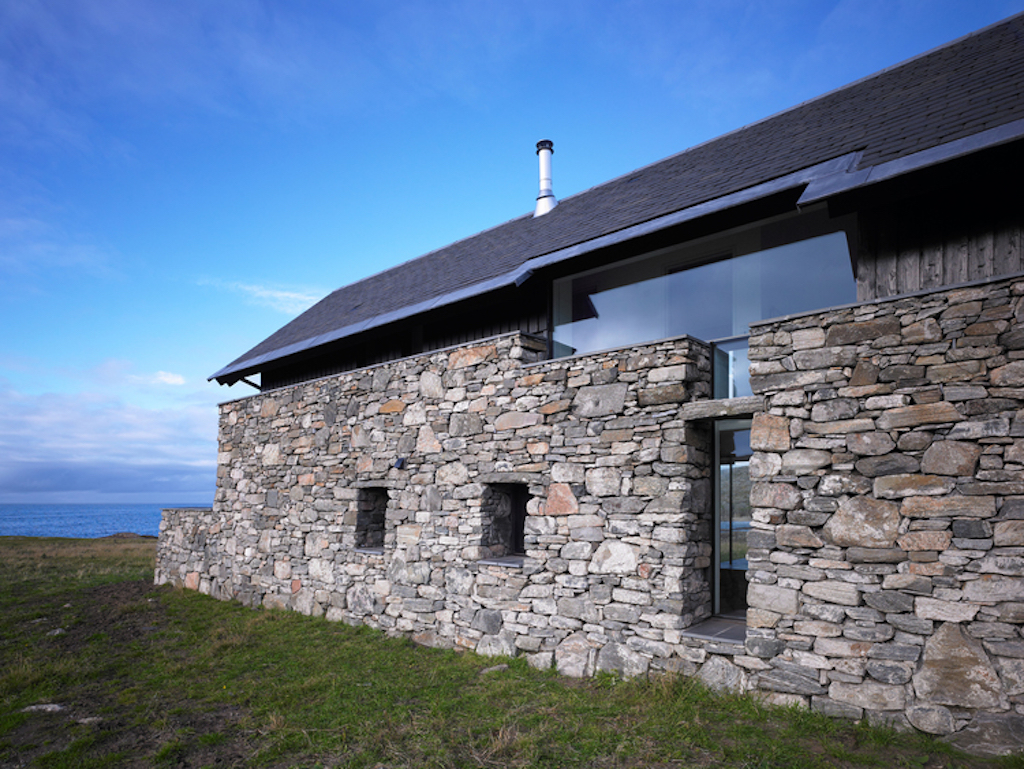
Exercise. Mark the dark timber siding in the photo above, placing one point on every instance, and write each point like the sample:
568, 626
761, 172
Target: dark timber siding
502, 312
938, 242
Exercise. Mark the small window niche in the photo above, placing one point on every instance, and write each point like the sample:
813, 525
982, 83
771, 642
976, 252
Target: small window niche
370, 516
503, 511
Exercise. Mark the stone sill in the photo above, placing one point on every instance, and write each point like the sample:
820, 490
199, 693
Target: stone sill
513, 561
718, 629
370, 550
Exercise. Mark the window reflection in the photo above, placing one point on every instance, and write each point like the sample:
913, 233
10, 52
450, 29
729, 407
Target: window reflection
653, 298
732, 516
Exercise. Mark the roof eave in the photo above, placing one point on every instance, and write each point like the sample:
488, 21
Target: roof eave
830, 186
829, 169
821, 181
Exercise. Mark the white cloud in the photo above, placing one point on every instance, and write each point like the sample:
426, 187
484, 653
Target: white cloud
166, 377
289, 302
159, 378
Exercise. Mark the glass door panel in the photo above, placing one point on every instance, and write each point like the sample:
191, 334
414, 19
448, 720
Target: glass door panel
732, 515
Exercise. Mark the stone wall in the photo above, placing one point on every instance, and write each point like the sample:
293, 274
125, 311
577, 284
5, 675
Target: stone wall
617, 533
887, 562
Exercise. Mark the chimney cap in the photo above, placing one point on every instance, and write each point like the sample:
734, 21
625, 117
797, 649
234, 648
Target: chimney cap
545, 144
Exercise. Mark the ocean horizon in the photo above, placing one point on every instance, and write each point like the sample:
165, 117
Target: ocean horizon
81, 521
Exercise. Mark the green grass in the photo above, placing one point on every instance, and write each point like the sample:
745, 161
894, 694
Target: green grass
163, 677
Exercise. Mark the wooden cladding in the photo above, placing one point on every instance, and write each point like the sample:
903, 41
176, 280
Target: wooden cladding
937, 242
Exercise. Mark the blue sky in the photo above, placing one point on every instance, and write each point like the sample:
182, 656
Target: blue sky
180, 179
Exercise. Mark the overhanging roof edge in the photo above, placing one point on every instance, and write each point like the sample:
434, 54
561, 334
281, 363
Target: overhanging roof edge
838, 166
837, 183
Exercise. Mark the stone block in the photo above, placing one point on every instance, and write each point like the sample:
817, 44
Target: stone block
567, 472
600, 400
788, 535
890, 671
901, 486
1010, 375
614, 557
1008, 533
914, 416
961, 371
863, 522
672, 502
949, 506
839, 427
808, 338
764, 647
769, 433
574, 656
786, 381
864, 331
870, 443
870, 695
657, 396
944, 611
783, 496
804, 461
721, 675
833, 591
888, 464
835, 410
894, 651
464, 357
889, 601
789, 682
992, 427
951, 458
561, 500
923, 332
515, 420
925, 540
865, 374
837, 484
866, 631
603, 481
824, 358
501, 645
955, 670
773, 598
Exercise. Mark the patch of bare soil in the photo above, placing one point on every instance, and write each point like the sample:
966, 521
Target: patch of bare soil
99, 726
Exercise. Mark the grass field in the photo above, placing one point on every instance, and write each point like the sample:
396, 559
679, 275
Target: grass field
148, 676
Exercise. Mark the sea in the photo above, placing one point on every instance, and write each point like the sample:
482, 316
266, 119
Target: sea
80, 521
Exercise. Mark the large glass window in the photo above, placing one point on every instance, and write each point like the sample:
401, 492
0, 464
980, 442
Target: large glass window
708, 294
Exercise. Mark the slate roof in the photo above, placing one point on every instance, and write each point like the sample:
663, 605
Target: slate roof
960, 90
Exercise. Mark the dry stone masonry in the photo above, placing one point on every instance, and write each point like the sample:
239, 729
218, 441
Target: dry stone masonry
887, 568
615, 484
886, 562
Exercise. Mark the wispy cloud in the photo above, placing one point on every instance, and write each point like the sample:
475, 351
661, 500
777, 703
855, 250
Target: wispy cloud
61, 61
31, 246
160, 378
94, 443
287, 301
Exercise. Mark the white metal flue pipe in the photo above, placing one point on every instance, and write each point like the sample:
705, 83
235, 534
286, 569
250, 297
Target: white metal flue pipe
546, 199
